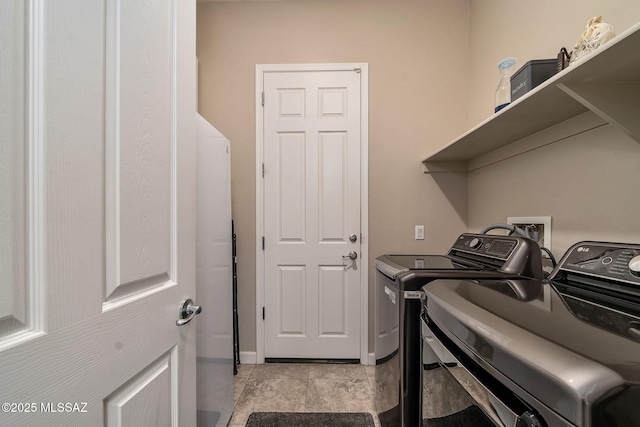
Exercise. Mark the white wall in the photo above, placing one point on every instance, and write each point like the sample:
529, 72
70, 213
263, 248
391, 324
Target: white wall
587, 183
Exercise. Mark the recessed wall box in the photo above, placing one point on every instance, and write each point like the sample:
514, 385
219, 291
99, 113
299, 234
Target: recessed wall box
531, 75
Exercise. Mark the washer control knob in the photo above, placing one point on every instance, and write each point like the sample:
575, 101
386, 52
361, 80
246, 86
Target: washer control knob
528, 419
634, 265
475, 243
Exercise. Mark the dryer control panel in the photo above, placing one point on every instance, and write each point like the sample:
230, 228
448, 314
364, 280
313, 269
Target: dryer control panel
600, 284
604, 261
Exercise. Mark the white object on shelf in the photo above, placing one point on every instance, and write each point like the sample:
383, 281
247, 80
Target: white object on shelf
596, 34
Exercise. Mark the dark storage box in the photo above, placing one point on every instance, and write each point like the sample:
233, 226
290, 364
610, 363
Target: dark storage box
531, 75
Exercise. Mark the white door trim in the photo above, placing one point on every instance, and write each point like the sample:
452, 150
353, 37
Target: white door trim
261, 69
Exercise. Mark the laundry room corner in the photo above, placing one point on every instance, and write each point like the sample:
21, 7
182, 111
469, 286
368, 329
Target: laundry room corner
578, 171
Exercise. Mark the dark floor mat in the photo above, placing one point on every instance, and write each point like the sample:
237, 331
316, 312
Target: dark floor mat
302, 419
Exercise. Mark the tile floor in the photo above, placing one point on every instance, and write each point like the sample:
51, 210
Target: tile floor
280, 387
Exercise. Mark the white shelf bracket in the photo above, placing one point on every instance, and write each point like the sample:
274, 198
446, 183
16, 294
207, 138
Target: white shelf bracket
616, 102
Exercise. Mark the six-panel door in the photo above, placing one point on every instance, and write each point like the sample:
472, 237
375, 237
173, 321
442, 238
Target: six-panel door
311, 206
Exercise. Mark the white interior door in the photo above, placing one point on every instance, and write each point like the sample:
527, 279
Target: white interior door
97, 217
312, 137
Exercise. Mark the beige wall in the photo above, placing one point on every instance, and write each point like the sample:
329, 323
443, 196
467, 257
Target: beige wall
417, 52
587, 183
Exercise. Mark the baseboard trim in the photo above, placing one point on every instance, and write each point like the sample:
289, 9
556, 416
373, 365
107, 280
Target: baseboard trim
248, 357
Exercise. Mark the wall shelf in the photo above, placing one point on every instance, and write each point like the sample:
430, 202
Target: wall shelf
607, 82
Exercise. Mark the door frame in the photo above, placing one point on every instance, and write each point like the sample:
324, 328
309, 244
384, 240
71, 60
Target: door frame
261, 69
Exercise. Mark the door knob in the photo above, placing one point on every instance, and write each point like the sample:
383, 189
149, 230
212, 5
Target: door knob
187, 311
353, 238
352, 255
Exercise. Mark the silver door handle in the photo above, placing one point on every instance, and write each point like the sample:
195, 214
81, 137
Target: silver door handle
352, 255
187, 311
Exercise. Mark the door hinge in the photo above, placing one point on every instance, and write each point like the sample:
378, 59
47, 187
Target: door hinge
263, 170
263, 243
262, 313
263, 99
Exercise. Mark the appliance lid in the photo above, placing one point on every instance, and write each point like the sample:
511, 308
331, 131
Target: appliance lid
472, 256
573, 366
469, 251
418, 262
394, 265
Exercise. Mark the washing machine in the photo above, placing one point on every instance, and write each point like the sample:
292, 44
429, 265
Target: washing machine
497, 261
567, 355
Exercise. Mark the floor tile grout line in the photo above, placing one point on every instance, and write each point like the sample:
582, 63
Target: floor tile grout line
306, 395
321, 375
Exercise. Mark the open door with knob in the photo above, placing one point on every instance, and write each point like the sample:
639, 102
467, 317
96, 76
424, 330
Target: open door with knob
97, 216
188, 310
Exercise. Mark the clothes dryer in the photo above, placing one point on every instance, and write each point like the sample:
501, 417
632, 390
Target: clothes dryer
567, 356
498, 261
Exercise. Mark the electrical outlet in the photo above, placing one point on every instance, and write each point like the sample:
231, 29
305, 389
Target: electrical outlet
419, 232
539, 227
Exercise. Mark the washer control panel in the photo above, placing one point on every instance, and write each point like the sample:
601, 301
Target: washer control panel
490, 246
607, 261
